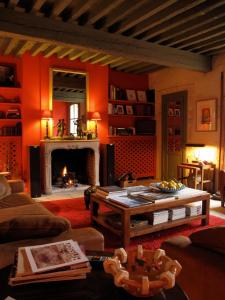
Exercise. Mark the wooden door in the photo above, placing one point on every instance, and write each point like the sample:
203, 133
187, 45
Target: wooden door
174, 118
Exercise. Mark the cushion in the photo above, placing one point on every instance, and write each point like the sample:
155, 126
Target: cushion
29, 221
212, 238
5, 189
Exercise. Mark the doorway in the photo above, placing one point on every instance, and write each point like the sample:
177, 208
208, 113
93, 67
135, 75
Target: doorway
174, 122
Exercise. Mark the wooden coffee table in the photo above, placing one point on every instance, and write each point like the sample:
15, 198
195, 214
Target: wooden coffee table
185, 196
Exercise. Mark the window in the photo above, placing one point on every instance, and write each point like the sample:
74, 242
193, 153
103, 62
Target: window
74, 115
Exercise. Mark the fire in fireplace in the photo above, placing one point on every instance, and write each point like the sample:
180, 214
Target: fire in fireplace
66, 179
72, 166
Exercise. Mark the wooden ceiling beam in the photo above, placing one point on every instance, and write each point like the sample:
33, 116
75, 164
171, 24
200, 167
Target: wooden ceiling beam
99, 58
111, 60
80, 7
145, 12
11, 45
37, 5
52, 50
137, 67
167, 14
185, 17
27, 45
123, 11
59, 6
76, 54
127, 64
102, 9
203, 39
88, 56
39, 47
85, 38
64, 52
194, 33
122, 62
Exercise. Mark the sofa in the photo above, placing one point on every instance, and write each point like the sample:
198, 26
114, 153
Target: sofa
23, 222
202, 256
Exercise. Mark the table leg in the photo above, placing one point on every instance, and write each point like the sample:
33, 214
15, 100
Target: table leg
94, 206
205, 211
125, 229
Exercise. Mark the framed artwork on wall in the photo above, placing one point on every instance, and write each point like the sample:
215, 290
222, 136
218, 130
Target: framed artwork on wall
206, 115
141, 96
7, 75
120, 110
129, 110
131, 95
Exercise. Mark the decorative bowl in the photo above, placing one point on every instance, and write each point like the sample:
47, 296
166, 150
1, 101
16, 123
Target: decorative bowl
142, 272
170, 190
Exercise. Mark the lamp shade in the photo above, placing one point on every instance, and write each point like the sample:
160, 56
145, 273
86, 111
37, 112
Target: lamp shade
46, 114
95, 116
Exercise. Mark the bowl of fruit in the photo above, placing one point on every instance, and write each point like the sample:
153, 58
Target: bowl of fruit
170, 186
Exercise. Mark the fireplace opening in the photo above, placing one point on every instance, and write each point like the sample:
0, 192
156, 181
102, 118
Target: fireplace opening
71, 167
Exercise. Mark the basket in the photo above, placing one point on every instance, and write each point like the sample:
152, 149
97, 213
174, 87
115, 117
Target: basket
142, 272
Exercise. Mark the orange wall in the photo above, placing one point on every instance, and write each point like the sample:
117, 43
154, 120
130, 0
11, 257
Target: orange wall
33, 73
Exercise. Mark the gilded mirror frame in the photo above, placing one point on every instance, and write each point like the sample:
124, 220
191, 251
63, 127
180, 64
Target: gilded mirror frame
63, 70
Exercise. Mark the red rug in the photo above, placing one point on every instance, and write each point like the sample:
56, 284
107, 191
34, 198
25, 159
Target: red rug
74, 210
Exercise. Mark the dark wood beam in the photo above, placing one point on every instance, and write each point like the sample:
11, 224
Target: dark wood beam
39, 29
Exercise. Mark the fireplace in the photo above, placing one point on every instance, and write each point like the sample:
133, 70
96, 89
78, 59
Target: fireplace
80, 157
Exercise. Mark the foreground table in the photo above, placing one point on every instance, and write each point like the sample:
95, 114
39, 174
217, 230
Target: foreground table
185, 196
97, 286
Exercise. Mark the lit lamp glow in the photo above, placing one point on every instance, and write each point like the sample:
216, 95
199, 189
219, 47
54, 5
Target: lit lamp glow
96, 117
46, 115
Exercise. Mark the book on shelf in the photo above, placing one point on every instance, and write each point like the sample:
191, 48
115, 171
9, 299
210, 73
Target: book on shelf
49, 262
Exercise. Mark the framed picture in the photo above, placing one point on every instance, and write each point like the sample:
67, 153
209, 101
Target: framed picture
129, 110
120, 110
206, 115
7, 75
177, 112
170, 112
131, 95
141, 96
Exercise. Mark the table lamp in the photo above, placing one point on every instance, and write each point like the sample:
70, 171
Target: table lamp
46, 115
96, 117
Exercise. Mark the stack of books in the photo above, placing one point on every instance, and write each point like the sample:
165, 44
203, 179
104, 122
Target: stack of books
13, 113
49, 262
177, 213
158, 217
193, 209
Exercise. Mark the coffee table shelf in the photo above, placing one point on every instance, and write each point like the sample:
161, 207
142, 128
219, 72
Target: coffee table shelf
126, 232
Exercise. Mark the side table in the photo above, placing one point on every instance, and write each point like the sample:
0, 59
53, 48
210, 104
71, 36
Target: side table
97, 286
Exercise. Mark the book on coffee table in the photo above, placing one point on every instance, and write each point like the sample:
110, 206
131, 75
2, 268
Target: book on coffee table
49, 262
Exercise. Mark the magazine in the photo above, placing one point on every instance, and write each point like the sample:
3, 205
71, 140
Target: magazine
22, 273
52, 256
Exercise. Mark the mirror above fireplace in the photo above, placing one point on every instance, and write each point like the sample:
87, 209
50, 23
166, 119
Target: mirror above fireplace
69, 102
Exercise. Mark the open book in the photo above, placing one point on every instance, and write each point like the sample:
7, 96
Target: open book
49, 262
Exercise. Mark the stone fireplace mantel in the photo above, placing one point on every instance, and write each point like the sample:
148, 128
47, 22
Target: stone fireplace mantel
47, 146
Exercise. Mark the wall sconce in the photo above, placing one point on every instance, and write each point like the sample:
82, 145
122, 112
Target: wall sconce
46, 115
95, 116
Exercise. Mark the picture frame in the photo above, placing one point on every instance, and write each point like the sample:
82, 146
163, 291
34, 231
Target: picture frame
7, 76
131, 95
177, 112
119, 109
129, 110
206, 115
170, 112
141, 96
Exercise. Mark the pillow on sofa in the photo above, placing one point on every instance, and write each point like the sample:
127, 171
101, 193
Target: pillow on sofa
5, 189
20, 228
211, 238
29, 221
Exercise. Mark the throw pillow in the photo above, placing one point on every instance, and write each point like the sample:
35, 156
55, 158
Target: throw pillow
29, 221
212, 238
5, 189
